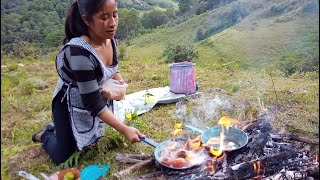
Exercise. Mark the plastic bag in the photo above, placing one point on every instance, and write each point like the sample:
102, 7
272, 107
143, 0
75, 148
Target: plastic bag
114, 87
182, 78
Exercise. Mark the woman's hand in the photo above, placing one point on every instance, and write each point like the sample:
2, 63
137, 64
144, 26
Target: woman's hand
132, 134
117, 76
114, 96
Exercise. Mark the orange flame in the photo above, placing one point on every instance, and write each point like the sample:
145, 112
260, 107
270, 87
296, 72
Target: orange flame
246, 126
211, 166
194, 144
257, 168
215, 152
317, 157
227, 121
257, 178
218, 152
177, 129
221, 157
178, 126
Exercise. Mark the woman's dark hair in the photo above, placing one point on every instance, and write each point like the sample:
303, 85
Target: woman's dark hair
74, 25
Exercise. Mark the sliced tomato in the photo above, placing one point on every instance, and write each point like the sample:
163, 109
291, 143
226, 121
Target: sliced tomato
179, 162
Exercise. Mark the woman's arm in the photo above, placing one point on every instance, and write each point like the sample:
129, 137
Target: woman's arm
83, 70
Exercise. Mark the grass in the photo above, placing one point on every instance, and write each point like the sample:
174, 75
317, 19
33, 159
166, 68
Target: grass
239, 63
23, 114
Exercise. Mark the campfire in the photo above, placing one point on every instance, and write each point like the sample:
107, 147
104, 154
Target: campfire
266, 154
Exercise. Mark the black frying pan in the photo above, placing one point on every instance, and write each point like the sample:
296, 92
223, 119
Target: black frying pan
159, 148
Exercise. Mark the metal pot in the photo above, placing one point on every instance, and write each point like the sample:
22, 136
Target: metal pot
238, 137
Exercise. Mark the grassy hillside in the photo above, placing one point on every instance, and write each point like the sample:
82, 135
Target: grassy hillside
148, 4
242, 62
257, 39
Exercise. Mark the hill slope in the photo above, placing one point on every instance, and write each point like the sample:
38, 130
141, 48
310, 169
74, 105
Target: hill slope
262, 34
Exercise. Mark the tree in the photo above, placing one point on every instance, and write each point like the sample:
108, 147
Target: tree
201, 34
184, 5
202, 7
154, 18
54, 38
129, 23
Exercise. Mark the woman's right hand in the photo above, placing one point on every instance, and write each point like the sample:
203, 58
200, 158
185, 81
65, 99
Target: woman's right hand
132, 134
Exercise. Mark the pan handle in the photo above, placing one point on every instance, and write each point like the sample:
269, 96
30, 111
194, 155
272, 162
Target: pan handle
149, 141
195, 129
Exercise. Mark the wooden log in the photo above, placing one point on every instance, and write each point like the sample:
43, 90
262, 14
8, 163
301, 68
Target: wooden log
120, 174
302, 139
122, 159
295, 138
135, 156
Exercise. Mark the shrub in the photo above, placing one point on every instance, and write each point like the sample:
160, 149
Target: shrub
13, 66
122, 53
178, 52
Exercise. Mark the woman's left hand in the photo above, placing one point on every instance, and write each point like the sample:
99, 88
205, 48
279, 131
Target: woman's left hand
115, 96
117, 76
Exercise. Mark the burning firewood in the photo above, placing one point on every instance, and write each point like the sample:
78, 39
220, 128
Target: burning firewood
266, 156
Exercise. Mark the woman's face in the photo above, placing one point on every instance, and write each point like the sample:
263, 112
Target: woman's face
105, 22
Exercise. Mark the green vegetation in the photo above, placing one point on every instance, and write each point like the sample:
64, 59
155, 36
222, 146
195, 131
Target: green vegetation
267, 51
180, 51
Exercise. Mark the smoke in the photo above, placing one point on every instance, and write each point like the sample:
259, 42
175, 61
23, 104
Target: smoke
202, 111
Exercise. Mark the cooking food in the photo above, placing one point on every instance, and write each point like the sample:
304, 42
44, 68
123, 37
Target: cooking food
180, 154
177, 163
214, 140
228, 143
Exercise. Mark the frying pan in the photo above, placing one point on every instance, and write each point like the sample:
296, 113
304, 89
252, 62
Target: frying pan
238, 137
159, 147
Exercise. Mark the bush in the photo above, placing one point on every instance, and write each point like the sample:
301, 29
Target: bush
122, 53
13, 66
299, 63
178, 52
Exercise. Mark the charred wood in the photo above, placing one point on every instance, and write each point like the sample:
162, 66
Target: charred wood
262, 123
267, 164
256, 146
312, 171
